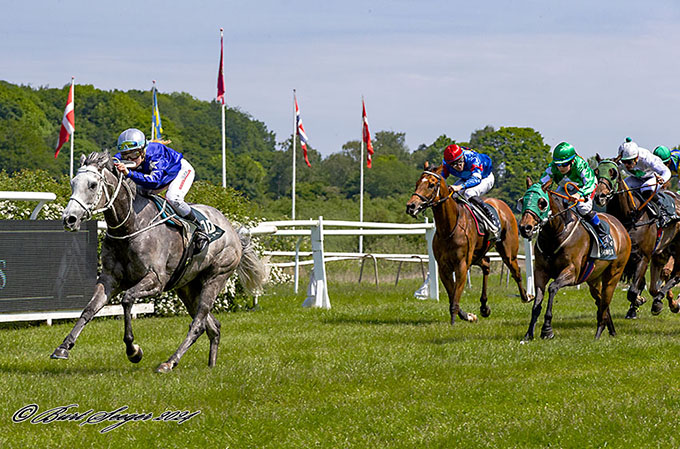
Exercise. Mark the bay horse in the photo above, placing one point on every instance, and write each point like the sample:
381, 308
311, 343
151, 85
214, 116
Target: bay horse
652, 246
140, 254
457, 244
562, 253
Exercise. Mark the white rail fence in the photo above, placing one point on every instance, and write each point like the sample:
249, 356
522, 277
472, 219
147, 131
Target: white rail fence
317, 290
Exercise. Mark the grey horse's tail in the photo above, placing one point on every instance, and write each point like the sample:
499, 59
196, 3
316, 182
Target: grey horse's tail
251, 270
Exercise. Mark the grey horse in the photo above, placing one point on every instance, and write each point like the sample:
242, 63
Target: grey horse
140, 254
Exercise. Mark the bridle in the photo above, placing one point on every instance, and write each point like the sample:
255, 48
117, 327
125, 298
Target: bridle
433, 201
90, 209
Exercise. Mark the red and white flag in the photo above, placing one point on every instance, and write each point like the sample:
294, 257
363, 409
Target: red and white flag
301, 131
220, 71
68, 123
367, 136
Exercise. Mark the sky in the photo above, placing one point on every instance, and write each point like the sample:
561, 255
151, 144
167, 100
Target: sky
587, 72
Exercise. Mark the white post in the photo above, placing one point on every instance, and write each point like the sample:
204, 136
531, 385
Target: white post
224, 146
294, 139
432, 265
529, 267
73, 134
317, 292
297, 264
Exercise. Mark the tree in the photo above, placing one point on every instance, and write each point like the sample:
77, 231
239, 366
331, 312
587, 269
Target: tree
516, 153
432, 153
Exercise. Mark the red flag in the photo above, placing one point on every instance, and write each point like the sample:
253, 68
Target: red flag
367, 136
68, 123
301, 131
220, 73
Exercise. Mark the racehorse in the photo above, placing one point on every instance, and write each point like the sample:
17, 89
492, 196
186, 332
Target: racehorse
140, 254
650, 243
562, 253
457, 245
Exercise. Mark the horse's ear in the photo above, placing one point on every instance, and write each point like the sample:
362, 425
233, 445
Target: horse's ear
616, 159
82, 159
597, 172
529, 181
426, 165
598, 158
546, 186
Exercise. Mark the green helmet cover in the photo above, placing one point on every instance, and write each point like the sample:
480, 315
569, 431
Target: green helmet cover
663, 152
563, 153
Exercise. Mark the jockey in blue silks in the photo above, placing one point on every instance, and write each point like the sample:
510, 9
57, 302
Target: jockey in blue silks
156, 167
475, 178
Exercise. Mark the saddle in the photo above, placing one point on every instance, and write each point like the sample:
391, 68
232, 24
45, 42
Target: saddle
596, 246
486, 218
188, 229
666, 212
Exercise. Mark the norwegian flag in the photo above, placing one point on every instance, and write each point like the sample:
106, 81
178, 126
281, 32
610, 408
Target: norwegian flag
220, 71
367, 136
301, 132
68, 122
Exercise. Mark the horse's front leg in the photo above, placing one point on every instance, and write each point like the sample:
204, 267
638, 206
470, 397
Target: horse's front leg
636, 287
540, 281
655, 272
148, 286
102, 292
461, 273
567, 277
484, 309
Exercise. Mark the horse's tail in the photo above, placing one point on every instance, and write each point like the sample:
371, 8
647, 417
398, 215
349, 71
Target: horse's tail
251, 270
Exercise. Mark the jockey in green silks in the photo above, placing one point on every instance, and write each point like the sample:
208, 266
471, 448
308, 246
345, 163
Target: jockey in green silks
567, 166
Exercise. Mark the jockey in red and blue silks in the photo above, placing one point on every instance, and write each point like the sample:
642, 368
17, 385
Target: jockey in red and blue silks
472, 169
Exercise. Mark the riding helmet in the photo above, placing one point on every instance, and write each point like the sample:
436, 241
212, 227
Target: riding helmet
563, 153
452, 153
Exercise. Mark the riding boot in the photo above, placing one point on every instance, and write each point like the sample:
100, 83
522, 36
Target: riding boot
201, 239
607, 249
664, 218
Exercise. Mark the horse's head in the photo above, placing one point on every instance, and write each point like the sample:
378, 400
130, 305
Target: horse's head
87, 190
429, 189
535, 209
608, 176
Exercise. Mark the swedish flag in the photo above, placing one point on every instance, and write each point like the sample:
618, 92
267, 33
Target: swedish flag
156, 126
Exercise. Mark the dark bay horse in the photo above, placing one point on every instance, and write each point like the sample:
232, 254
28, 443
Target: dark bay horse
140, 254
652, 246
457, 245
561, 253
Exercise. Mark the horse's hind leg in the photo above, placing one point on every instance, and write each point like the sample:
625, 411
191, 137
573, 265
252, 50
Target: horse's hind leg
484, 309
199, 324
212, 328
102, 293
596, 292
608, 288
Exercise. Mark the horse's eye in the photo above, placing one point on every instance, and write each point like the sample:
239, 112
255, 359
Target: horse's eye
542, 205
92, 185
432, 185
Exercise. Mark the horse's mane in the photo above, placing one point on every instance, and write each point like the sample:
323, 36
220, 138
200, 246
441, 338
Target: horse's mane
102, 159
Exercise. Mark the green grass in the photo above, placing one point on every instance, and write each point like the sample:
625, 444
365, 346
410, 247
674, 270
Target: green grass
380, 369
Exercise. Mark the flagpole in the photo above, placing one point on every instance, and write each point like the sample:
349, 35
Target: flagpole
224, 128
73, 134
294, 139
361, 183
153, 112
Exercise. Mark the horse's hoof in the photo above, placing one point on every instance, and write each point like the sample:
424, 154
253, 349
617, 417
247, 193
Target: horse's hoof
530, 298
136, 357
674, 307
472, 318
60, 354
164, 368
632, 314
657, 307
640, 300
547, 335
485, 311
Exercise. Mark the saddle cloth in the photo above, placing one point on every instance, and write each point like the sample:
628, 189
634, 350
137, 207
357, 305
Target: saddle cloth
166, 210
482, 218
595, 246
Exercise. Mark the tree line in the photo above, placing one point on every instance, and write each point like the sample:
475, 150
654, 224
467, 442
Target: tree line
258, 166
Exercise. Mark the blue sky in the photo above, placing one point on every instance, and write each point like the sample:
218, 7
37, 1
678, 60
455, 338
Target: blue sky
588, 72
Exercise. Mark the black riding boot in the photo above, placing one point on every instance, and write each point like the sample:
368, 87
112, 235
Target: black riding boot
201, 239
664, 218
607, 249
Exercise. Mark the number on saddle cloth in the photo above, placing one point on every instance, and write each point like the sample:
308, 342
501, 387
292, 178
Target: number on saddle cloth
596, 246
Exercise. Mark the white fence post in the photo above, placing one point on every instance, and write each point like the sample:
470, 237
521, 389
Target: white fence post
432, 265
317, 292
529, 267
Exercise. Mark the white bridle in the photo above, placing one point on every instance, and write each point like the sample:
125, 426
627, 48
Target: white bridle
90, 209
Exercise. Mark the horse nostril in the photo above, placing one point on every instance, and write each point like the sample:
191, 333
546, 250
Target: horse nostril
70, 220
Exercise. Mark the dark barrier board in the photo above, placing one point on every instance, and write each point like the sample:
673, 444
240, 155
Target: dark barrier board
43, 267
